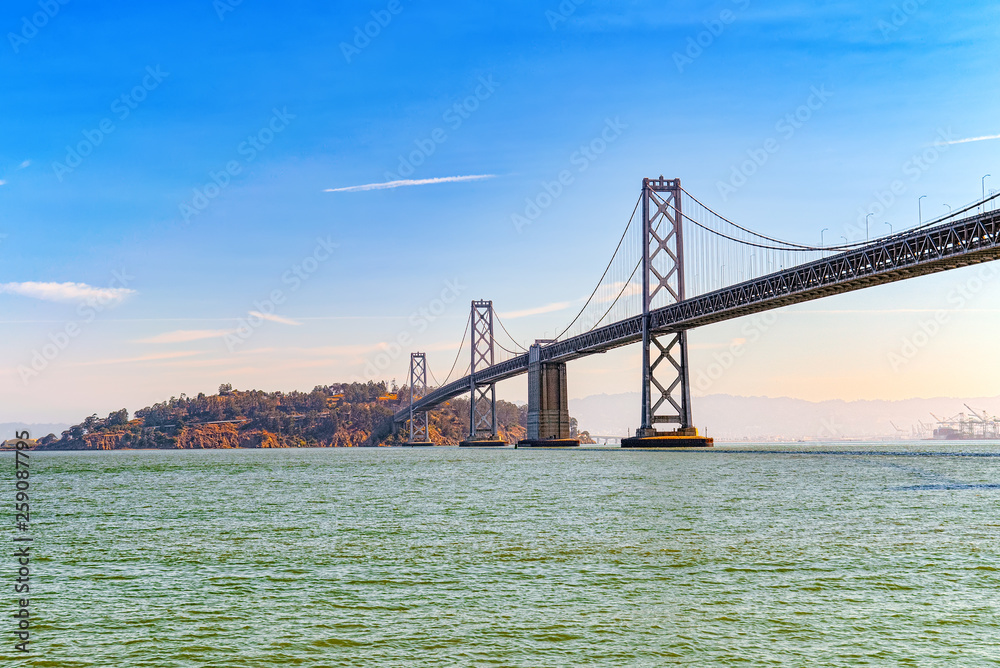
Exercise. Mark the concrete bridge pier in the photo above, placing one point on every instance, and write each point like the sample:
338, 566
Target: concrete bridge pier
548, 408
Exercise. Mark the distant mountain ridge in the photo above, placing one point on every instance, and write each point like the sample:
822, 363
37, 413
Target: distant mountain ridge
731, 417
36, 430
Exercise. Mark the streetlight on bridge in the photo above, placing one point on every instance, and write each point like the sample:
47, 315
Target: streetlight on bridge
920, 215
825, 229
890, 227
984, 193
866, 225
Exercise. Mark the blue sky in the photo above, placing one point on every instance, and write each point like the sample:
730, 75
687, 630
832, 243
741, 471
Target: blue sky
202, 81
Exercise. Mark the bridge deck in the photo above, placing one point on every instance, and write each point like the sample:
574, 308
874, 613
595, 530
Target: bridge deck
894, 258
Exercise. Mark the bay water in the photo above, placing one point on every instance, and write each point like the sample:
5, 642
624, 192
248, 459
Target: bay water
805, 555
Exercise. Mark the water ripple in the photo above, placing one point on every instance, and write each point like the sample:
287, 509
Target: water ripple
748, 555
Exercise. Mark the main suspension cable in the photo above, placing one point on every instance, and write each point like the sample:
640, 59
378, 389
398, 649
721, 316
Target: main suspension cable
786, 245
512, 352
495, 315
789, 246
620, 293
460, 346
606, 269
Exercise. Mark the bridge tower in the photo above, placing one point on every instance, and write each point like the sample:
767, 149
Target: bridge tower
419, 420
482, 397
666, 388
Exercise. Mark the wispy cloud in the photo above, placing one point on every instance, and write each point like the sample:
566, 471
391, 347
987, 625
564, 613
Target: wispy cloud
341, 351
2, 182
66, 292
185, 335
142, 358
972, 139
408, 182
275, 318
548, 308
24, 164
612, 291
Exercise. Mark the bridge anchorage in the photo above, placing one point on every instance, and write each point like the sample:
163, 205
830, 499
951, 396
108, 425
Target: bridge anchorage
649, 295
548, 406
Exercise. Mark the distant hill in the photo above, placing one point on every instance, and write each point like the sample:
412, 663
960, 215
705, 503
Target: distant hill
338, 415
730, 417
37, 430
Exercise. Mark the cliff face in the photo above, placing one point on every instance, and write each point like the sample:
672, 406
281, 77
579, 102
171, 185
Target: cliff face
212, 436
449, 425
209, 436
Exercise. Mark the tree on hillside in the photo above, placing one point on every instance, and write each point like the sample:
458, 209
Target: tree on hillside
118, 418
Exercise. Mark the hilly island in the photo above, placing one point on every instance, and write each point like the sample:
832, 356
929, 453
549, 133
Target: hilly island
337, 415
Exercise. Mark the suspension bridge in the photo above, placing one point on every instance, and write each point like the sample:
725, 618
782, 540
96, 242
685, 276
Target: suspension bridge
678, 265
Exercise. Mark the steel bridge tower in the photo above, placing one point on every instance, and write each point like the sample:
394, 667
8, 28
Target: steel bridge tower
663, 284
419, 420
482, 397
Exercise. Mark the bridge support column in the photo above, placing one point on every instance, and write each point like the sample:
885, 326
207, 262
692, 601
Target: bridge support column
419, 420
482, 397
548, 408
662, 284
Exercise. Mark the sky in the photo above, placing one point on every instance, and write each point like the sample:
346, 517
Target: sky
209, 192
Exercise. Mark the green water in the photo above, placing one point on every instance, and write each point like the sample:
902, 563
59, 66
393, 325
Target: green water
825, 556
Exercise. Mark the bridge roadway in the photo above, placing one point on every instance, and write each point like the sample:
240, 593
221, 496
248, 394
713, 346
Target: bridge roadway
894, 258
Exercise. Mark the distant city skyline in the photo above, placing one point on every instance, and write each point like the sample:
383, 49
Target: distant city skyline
208, 193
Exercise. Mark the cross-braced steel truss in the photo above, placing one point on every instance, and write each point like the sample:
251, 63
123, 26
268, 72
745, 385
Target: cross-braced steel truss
663, 284
664, 241
673, 403
483, 399
419, 424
